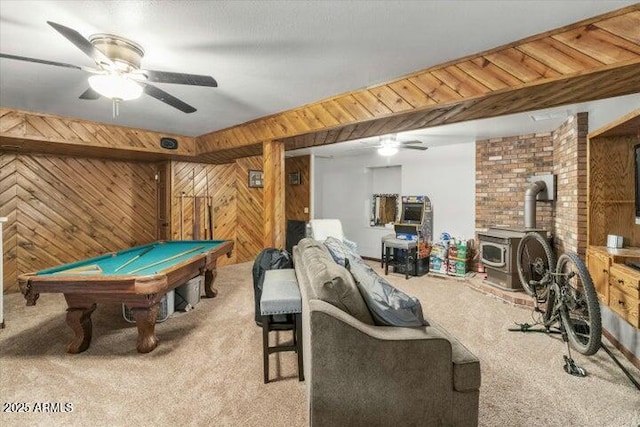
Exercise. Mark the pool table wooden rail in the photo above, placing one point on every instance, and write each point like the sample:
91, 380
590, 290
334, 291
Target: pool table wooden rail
141, 293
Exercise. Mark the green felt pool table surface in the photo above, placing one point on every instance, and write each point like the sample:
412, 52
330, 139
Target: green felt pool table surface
151, 257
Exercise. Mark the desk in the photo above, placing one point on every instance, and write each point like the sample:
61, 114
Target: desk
156, 269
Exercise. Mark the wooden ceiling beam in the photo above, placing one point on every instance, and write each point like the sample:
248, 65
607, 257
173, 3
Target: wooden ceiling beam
23, 131
550, 69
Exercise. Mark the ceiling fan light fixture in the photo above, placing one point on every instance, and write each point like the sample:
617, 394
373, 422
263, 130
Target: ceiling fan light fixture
387, 150
115, 86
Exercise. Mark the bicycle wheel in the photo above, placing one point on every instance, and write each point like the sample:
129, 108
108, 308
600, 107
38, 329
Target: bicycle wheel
580, 312
534, 259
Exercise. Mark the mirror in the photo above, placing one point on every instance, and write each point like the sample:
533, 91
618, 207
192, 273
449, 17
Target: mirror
384, 209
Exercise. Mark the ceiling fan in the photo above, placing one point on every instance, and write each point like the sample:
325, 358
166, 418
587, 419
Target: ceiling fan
388, 145
118, 75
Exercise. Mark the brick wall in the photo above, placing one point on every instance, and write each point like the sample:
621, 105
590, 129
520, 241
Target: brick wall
570, 167
502, 168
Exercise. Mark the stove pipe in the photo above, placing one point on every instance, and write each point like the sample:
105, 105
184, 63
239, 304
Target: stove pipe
530, 203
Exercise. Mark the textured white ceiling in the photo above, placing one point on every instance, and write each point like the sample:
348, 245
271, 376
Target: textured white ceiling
267, 56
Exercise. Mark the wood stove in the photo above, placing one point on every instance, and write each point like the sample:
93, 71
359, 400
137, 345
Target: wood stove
498, 251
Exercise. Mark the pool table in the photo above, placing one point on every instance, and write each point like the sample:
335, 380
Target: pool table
138, 277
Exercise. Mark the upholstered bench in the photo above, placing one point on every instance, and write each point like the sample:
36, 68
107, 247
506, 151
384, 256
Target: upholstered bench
411, 248
281, 295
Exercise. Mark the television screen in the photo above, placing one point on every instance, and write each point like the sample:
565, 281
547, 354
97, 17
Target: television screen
637, 148
412, 213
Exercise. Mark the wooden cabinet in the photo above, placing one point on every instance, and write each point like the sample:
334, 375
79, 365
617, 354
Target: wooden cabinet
611, 194
617, 285
598, 266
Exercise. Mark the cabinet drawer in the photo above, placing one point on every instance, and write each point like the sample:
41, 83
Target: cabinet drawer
625, 278
626, 306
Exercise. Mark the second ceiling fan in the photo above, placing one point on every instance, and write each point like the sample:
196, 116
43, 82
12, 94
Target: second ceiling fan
388, 145
118, 75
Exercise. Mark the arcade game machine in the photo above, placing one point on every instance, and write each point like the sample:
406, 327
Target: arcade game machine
416, 223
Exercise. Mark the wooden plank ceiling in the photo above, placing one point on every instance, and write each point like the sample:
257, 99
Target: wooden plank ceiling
593, 59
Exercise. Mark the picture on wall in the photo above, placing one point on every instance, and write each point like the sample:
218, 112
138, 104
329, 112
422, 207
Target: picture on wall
255, 179
294, 178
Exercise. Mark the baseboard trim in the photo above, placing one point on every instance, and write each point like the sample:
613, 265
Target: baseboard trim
368, 258
622, 349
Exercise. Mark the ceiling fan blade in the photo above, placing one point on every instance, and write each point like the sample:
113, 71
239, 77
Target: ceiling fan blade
415, 141
410, 147
81, 43
90, 94
171, 100
40, 61
179, 78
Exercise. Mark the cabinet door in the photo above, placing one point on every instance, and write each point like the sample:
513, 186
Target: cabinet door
598, 266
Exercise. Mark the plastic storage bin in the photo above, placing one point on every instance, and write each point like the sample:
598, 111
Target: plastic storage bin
188, 295
166, 309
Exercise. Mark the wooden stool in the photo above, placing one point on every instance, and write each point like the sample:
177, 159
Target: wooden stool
382, 240
281, 295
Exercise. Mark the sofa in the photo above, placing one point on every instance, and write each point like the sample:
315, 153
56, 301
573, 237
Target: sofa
358, 373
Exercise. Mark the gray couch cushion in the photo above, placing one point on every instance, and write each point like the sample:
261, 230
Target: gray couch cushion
339, 250
331, 282
388, 306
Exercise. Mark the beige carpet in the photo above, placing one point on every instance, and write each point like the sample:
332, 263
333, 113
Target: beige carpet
207, 369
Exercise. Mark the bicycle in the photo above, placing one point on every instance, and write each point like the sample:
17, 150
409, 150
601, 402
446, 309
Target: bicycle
563, 295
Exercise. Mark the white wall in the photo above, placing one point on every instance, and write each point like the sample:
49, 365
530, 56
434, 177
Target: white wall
386, 180
446, 174
610, 110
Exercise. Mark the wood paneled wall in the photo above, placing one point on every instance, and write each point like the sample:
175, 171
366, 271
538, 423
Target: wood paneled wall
62, 209
222, 190
9, 209
237, 209
250, 211
298, 197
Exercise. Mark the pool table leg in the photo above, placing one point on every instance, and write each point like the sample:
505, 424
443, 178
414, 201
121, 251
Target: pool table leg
79, 320
146, 323
209, 277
